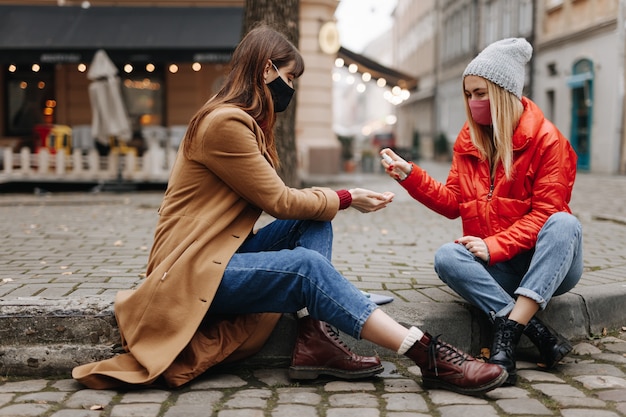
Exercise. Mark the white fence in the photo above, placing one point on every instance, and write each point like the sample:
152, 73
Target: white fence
153, 166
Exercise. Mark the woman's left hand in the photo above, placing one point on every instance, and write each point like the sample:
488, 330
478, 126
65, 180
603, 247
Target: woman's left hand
367, 201
476, 246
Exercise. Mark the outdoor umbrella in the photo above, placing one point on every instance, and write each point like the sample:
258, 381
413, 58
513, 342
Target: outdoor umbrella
109, 116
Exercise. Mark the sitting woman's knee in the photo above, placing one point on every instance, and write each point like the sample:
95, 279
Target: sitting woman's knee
565, 221
445, 256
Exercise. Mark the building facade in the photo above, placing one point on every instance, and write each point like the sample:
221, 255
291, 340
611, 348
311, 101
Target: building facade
415, 36
171, 57
576, 74
579, 77
465, 28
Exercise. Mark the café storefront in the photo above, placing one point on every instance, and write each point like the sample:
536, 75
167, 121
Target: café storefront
170, 61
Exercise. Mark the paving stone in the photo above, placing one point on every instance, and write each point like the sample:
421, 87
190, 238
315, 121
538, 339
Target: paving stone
294, 410
619, 347
24, 410
66, 385
535, 376
591, 369
24, 386
440, 397
406, 414
205, 398
273, 377
250, 398
335, 386
402, 385
601, 382
352, 412
43, 397
560, 390
526, 406
245, 412
468, 411
188, 410
585, 349
218, 381
618, 395
405, 402
587, 412
507, 392
5, 399
136, 410
86, 398
353, 400
298, 396
610, 357
145, 396
77, 413
570, 402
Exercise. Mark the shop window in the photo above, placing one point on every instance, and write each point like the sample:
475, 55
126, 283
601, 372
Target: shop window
29, 100
143, 96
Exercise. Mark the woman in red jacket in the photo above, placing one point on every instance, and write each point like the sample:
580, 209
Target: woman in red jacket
510, 182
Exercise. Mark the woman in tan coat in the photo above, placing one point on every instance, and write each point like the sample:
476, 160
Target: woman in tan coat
214, 289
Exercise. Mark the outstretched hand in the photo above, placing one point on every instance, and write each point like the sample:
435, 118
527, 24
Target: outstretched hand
367, 201
396, 167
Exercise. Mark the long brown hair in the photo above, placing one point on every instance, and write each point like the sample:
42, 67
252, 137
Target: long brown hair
495, 142
245, 86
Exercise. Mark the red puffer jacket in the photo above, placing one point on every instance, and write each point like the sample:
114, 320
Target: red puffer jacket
507, 215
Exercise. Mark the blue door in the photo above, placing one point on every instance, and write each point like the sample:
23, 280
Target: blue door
581, 85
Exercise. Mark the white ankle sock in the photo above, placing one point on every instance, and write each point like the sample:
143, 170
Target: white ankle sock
414, 335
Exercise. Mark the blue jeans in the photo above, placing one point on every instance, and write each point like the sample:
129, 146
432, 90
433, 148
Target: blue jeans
552, 268
285, 267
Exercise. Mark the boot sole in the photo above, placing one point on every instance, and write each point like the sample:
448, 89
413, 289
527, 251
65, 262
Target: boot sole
312, 372
433, 383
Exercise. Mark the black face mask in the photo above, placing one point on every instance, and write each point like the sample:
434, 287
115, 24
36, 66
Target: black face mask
281, 92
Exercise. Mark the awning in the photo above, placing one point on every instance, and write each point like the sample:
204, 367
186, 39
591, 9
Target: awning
73, 34
377, 70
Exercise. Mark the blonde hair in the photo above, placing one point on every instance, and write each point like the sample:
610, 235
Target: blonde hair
495, 143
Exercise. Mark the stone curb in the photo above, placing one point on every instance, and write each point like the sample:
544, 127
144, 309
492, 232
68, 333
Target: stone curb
48, 337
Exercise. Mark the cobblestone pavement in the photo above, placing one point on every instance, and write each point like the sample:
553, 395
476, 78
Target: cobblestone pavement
590, 382
61, 246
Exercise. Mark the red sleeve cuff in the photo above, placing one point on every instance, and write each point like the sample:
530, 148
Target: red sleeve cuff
345, 199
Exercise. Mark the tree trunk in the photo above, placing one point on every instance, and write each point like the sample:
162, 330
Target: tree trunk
284, 16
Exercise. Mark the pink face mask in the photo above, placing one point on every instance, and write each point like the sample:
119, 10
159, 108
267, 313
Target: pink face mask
481, 111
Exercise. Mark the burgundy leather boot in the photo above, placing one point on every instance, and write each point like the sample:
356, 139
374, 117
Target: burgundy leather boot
444, 366
319, 351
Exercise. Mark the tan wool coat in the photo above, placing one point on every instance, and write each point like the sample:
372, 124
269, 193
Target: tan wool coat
211, 205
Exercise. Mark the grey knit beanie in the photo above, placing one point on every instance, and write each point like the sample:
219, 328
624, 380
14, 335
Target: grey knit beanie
503, 63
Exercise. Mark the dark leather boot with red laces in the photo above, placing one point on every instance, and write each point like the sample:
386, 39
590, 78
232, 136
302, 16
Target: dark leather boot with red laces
319, 351
446, 367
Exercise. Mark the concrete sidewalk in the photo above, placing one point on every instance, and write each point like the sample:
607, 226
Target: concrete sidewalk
66, 255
